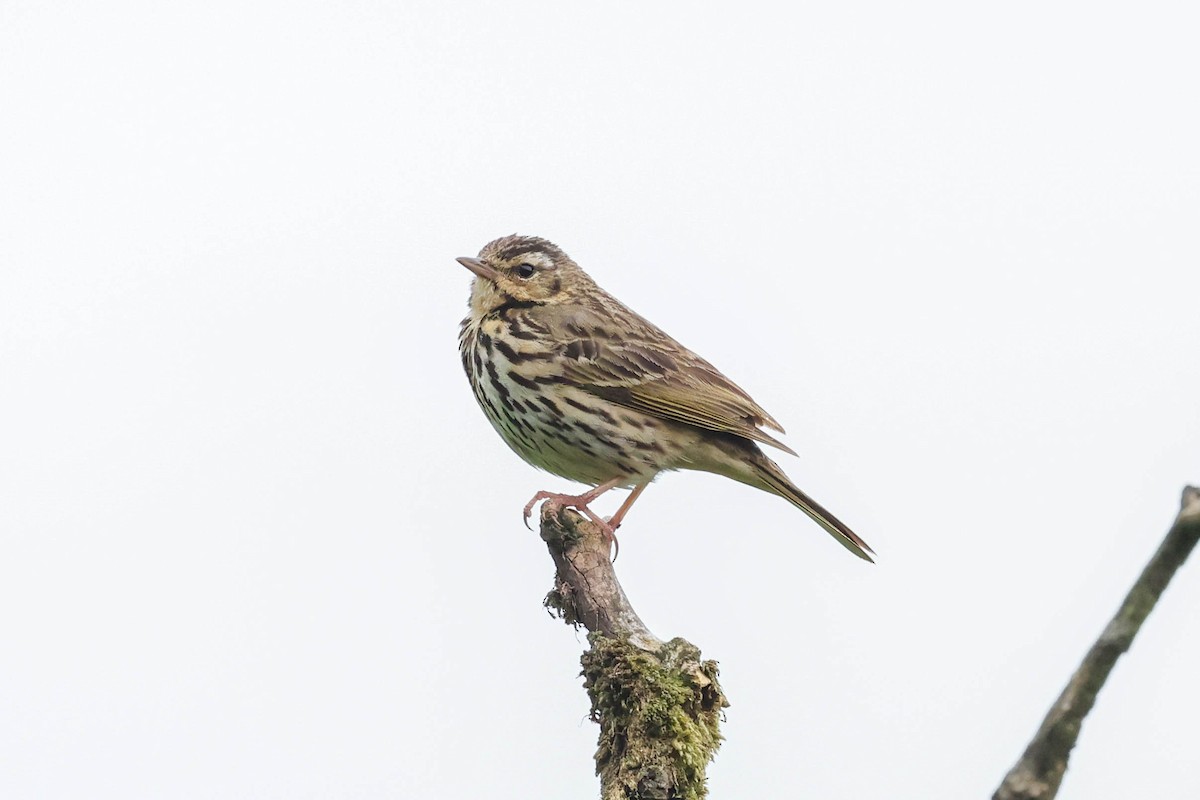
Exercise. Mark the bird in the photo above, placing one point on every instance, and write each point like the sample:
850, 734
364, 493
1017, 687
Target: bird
581, 386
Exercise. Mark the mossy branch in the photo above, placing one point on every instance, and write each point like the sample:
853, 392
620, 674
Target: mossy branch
658, 705
1040, 771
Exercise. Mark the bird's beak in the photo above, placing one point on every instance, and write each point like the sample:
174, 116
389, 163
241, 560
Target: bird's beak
479, 268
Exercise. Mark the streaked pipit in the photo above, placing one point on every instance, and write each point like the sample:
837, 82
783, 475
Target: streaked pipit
581, 386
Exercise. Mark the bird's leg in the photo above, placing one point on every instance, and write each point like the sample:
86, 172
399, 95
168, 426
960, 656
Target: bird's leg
578, 502
615, 520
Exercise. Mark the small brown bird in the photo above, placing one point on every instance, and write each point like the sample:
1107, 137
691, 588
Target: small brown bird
581, 386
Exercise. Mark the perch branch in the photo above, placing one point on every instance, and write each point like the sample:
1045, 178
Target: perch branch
658, 705
1039, 773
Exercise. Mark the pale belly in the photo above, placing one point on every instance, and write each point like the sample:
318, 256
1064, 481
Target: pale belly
570, 432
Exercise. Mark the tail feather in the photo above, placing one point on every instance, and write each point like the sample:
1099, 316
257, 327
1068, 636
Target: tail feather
774, 480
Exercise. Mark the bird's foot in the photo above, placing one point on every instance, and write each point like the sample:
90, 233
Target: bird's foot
579, 502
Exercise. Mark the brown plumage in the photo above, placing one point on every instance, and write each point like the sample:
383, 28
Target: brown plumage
581, 386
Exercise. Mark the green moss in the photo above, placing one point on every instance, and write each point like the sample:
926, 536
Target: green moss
659, 716
559, 603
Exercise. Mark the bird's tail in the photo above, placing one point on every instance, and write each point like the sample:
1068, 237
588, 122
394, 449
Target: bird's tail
773, 480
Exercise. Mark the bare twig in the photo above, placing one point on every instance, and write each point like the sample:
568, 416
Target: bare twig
658, 705
1039, 773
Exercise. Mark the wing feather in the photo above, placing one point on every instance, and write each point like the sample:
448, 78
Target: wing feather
656, 375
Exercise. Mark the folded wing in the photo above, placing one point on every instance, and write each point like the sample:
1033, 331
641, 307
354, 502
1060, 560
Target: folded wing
657, 376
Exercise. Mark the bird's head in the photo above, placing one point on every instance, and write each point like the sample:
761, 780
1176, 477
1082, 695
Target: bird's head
523, 270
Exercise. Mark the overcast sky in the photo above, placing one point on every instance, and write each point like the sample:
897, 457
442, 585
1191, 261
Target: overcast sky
257, 540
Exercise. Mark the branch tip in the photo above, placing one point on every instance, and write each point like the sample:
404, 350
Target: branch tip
1039, 773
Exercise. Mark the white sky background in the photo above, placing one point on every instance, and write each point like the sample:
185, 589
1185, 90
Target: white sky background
256, 539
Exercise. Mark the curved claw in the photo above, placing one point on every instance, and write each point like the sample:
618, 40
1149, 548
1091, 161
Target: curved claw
580, 503
536, 499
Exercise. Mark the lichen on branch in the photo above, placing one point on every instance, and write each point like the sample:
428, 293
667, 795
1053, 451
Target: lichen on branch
658, 705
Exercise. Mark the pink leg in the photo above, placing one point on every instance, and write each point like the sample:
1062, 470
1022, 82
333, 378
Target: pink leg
615, 520
578, 502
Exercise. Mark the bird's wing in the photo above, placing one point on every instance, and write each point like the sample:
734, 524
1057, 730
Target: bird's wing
646, 370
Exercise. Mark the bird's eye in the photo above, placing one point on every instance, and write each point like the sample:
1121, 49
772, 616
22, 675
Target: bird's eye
526, 271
